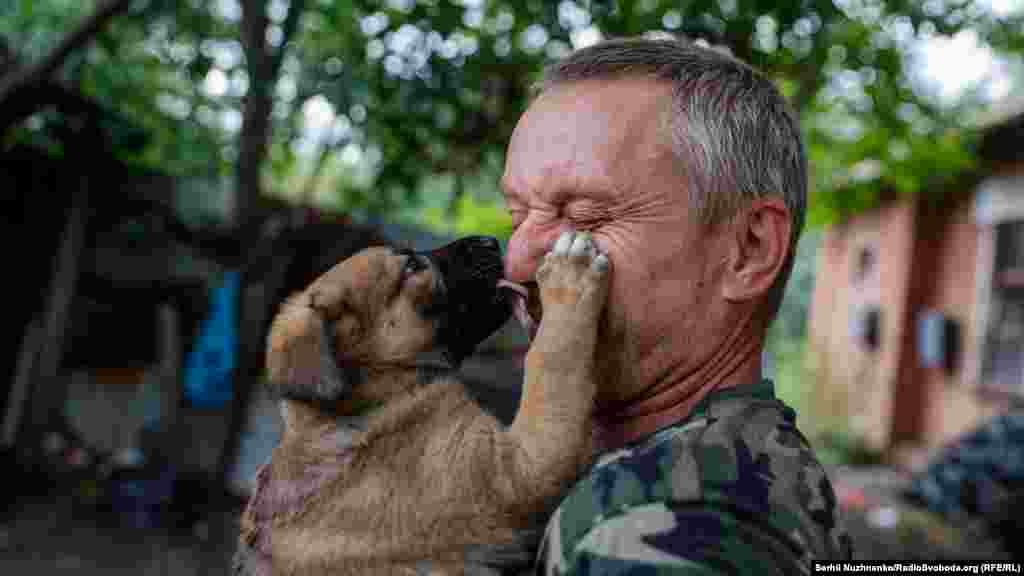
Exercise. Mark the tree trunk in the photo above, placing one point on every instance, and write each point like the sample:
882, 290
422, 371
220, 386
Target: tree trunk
45, 391
255, 132
263, 64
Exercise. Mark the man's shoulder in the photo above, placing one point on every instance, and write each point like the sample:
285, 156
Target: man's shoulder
740, 466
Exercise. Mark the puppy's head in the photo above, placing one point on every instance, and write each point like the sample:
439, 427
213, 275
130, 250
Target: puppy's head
386, 308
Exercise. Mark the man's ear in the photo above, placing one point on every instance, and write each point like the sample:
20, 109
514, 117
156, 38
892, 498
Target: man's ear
302, 351
759, 243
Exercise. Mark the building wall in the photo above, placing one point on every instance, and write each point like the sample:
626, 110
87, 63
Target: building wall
951, 402
855, 383
955, 403
927, 259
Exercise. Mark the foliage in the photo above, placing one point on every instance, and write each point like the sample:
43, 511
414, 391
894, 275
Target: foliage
472, 217
418, 89
792, 317
843, 448
148, 66
444, 82
788, 374
794, 381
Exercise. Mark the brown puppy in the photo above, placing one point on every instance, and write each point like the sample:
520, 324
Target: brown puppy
386, 466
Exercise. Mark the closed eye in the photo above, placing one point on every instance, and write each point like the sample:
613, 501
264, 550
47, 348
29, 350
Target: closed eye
414, 263
410, 266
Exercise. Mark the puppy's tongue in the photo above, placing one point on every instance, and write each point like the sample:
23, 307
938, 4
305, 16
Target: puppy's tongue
519, 308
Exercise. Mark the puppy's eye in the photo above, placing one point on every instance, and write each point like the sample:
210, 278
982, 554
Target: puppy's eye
413, 264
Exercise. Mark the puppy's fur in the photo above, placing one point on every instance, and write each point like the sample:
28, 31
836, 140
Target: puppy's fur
425, 476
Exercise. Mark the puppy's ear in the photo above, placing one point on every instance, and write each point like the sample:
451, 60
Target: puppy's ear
302, 354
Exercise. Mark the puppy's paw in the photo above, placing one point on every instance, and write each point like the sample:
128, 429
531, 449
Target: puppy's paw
574, 276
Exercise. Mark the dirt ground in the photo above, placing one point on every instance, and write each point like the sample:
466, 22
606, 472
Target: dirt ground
50, 537
884, 526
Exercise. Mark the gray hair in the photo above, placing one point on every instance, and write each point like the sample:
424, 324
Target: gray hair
736, 136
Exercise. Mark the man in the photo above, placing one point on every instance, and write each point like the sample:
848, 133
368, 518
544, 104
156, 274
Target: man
687, 168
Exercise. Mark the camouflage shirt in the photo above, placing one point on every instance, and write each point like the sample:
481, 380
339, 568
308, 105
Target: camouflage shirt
733, 489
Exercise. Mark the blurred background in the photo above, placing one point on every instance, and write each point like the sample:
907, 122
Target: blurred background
175, 168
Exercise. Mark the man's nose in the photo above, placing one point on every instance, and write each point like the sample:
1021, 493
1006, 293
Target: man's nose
525, 253
518, 266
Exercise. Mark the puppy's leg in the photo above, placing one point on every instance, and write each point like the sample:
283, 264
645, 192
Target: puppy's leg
551, 432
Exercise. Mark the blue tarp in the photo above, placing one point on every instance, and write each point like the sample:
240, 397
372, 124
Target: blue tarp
210, 363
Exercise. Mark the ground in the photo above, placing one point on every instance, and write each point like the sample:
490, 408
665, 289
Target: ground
54, 536
50, 537
884, 526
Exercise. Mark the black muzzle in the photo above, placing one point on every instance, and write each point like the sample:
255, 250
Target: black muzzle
469, 307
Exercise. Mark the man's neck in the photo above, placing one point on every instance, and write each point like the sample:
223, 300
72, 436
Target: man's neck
674, 394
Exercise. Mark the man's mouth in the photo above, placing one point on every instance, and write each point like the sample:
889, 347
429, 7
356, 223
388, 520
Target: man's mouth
526, 305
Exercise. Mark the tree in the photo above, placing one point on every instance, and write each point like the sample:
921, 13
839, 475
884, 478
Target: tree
420, 89
17, 77
264, 44
435, 88
117, 55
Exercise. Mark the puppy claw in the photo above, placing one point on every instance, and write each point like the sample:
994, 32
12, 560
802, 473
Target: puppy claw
574, 272
582, 246
563, 244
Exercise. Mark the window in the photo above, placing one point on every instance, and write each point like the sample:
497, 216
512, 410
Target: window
999, 314
865, 264
1003, 340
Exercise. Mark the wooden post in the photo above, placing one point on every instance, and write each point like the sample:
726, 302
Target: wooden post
25, 369
43, 399
169, 369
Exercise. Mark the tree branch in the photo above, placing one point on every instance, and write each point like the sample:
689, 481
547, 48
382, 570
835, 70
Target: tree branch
19, 79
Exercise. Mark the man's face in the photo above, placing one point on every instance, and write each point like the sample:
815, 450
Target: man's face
595, 155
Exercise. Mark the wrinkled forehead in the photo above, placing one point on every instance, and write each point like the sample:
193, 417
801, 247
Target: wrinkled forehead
591, 128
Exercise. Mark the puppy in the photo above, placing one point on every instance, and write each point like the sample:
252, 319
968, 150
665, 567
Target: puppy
386, 465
